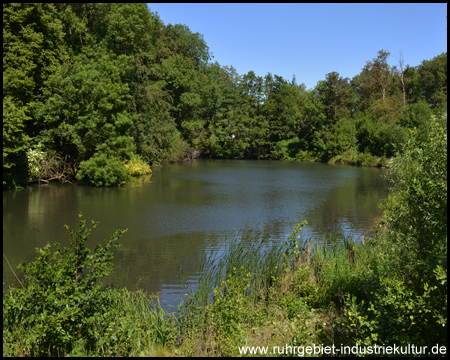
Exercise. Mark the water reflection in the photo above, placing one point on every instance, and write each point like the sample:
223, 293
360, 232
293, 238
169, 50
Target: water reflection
189, 209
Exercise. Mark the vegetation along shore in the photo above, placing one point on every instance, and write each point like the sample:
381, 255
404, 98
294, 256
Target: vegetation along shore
101, 93
391, 289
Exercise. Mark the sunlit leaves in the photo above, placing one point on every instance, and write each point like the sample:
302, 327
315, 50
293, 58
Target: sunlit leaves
85, 106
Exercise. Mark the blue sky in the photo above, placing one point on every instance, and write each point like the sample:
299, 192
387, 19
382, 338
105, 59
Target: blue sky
311, 40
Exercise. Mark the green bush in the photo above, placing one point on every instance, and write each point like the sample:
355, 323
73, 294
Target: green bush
230, 310
103, 170
410, 303
287, 149
59, 302
416, 213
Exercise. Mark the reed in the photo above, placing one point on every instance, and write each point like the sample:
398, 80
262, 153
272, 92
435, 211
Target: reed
252, 252
342, 265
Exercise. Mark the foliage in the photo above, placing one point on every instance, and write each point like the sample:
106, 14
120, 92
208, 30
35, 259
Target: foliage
433, 81
104, 170
113, 78
292, 245
32, 49
410, 303
84, 111
60, 300
15, 144
416, 213
377, 76
137, 167
230, 310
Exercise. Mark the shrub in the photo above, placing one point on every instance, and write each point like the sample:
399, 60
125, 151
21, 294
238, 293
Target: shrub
60, 301
35, 157
137, 167
103, 170
416, 212
287, 149
410, 304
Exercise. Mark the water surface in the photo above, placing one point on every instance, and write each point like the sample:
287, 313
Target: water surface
190, 209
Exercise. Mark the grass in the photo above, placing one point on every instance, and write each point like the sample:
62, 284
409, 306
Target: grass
255, 293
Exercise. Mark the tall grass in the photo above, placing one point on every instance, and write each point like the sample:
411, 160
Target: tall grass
343, 265
259, 282
250, 252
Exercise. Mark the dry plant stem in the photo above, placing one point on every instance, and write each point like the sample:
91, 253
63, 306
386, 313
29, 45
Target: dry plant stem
13, 270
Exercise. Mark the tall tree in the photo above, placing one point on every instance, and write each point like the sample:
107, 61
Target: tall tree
15, 144
281, 108
433, 75
85, 107
334, 92
377, 75
32, 49
401, 63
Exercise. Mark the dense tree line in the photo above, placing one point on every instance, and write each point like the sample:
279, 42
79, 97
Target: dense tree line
90, 88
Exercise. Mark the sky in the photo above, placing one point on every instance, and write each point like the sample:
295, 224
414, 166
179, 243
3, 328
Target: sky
312, 40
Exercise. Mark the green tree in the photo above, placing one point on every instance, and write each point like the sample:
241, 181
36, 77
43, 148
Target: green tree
189, 45
32, 49
417, 213
377, 75
411, 303
433, 78
312, 123
15, 144
85, 107
281, 108
334, 92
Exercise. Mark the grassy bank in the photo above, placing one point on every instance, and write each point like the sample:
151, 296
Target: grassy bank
388, 291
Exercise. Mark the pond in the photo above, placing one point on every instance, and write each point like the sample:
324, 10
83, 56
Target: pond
188, 210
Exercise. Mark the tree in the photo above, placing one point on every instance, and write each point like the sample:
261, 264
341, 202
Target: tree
281, 108
377, 75
334, 92
15, 144
401, 65
32, 49
84, 111
414, 241
181, 41
433, 75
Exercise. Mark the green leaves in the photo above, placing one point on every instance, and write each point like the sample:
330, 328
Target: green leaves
103, 170
32, 49
61, 298
292, 245
15, 144
410, 304
112, 79
85, 115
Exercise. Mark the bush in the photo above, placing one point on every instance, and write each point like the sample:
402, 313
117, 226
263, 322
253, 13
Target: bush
103, 170
416, 213
137, 167
60, 301
35, 157
410, 304
287, 149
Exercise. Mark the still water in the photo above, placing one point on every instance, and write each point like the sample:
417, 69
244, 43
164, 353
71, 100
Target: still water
188, 210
